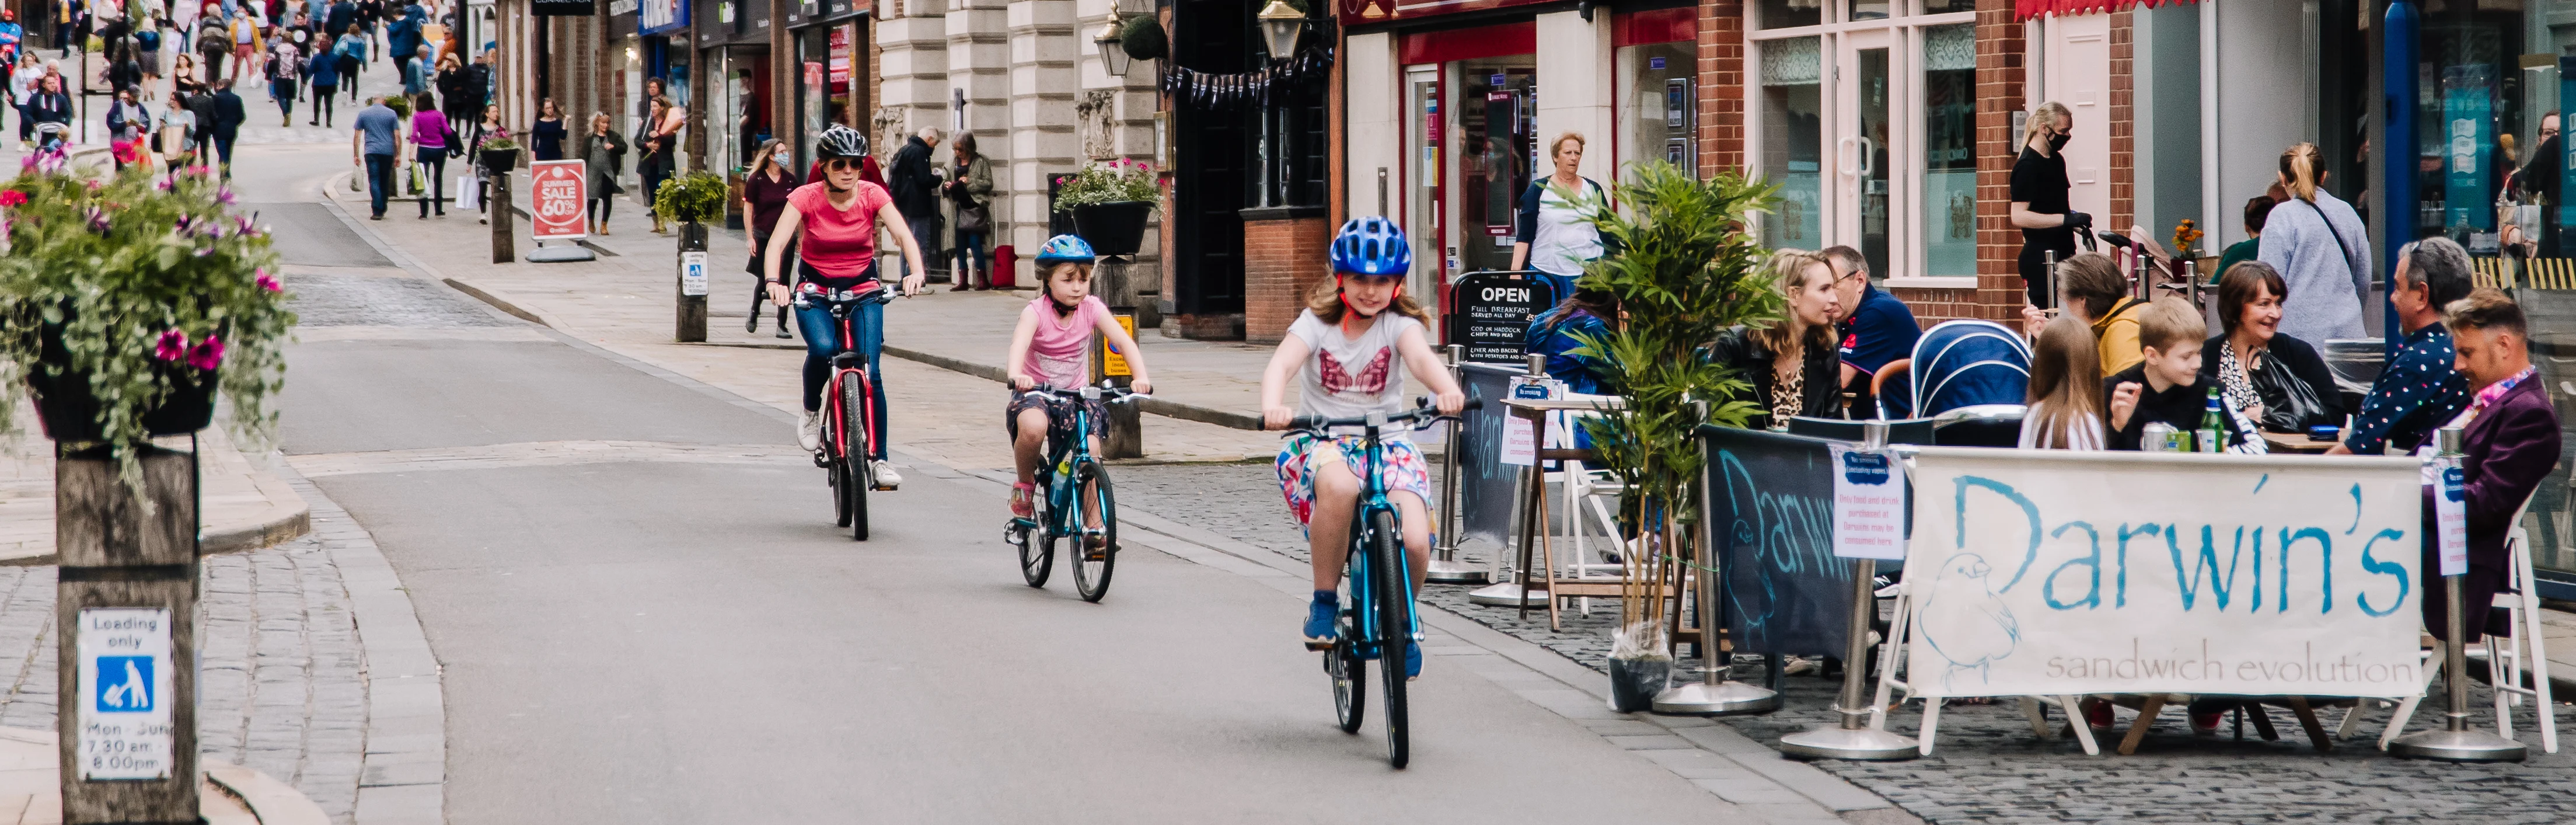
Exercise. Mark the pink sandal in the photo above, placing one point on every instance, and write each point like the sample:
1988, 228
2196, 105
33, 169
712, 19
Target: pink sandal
1024, 500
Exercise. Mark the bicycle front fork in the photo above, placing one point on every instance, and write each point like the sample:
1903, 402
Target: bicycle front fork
1362, 578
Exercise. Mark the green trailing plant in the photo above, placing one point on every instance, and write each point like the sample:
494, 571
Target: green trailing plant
148, 283
1684, 268
1114, 181
1143, 38
400, 104
500, 144
696, 197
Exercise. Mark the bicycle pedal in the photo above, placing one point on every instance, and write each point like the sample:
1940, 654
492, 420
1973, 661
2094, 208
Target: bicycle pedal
1319, 646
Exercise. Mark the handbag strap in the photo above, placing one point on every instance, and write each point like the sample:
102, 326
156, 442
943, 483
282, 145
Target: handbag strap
2330, 230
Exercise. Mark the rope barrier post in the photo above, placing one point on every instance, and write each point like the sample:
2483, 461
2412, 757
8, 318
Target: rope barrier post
1445, 567
2455, 742
1854, 739
1714, 694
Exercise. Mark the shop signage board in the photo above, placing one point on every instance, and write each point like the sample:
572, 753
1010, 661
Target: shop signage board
125, 676
1494, 309
1487, 486
1113, 362
1772, 510
558, 190
2038, 572
662, 17
563, 8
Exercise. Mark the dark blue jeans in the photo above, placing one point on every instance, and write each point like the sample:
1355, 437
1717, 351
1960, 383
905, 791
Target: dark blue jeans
380, 182
823, 340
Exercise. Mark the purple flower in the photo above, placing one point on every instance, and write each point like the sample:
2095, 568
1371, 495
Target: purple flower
267, 281
164, 184
98, 220
242, 223
207, 354
173, 346
224, 196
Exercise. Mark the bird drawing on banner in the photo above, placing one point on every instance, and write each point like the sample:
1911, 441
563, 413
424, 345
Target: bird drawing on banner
1964, 621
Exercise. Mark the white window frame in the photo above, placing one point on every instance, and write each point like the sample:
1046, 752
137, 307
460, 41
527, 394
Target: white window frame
1905, 25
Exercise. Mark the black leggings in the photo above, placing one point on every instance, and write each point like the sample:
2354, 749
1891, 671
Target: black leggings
322, 96
434, 159
599, 208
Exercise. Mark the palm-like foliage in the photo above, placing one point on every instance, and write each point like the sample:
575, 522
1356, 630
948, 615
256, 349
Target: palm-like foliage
1685, 268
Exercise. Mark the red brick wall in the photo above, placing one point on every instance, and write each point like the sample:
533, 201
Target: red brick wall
2124, 122
1999, 294
1282, 259
1721, 86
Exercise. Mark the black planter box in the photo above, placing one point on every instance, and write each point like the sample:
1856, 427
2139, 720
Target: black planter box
1112, 228
70, 413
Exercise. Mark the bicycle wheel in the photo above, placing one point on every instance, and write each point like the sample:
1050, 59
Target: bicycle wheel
854, 455
840, 494
1394, 625
1037, 543
1350, 684
1091, 568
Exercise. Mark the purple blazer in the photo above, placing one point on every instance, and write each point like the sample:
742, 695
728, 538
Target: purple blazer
2508, 449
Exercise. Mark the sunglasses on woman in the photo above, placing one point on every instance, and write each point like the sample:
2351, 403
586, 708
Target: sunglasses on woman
840, 165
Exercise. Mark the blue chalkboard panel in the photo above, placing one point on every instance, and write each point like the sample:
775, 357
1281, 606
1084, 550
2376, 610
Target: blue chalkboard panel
1772, 495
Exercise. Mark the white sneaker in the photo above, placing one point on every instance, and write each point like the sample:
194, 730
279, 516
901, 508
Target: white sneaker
809, 432
887, 478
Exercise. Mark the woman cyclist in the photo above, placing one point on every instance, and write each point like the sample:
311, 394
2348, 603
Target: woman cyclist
833, 223
1349, 353
1052, 348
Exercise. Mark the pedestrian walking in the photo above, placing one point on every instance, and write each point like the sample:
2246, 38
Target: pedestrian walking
603, 154
338, 19
214, 41
147, 50
403, 38
127, 123
1556, 233
433, 142
486, 130
370, 25
183, 75
971, 187
546, 136
915, 188
1791, 363
416, 76
245, 45
2320, 246
2065, 410
178, 135
285, 67
2039, 202
50, 105
350, 55
661, 149
22, 93
374, 143
764, 195
228, 120
323, 72
643, 123
450, 83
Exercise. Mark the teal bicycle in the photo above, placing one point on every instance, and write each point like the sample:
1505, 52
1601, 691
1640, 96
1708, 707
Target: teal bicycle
1377, 617
1078, 504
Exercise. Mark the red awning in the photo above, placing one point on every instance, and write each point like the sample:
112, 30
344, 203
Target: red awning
2027, 9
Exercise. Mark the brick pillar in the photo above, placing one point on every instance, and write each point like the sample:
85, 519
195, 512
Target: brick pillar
1721, 86
1282, 260
1999, 293
2124, 124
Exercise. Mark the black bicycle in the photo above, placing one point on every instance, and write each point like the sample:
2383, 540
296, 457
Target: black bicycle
1078, 504
1378, 617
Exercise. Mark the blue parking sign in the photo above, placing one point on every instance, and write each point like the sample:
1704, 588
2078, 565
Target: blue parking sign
124, 684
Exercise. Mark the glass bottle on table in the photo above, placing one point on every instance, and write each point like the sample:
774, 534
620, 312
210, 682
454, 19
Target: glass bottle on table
2206, 438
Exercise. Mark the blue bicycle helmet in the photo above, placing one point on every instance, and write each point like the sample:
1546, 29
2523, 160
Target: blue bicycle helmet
1371, 246
1064, 249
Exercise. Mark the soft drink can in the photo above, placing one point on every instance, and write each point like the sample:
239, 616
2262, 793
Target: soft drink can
2158, 437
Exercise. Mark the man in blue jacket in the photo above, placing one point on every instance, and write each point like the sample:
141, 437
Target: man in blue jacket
338, 19
1875, 330
229, 117
402, 36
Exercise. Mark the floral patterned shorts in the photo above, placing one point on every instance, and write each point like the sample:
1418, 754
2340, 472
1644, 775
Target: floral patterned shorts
1401, 468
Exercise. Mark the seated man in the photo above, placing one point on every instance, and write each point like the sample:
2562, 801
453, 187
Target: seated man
2420, 389
2510, 441
1875, 327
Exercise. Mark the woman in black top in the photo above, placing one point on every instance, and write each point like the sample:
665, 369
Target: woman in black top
2039, 208
1793, 364
2241, 360
546, 136
764, 196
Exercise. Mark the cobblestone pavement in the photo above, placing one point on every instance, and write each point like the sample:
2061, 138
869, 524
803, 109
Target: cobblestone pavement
1988, 767
281, 686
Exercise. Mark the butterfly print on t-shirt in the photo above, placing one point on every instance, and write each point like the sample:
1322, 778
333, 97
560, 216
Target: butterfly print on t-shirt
1370, 381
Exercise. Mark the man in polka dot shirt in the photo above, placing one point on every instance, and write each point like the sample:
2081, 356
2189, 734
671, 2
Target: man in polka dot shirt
2420, 388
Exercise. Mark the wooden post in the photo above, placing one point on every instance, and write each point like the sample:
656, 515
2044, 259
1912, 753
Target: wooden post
691, 326
127, 587
504, 243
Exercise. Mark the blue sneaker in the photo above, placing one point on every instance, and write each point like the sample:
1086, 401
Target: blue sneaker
1323, 620
1412, 660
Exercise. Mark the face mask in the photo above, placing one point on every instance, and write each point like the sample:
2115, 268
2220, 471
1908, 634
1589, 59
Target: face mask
2059, 141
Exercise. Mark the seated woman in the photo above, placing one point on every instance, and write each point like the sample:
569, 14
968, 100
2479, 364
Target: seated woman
1586, 315
1791, 364
2098, 295
2277, 381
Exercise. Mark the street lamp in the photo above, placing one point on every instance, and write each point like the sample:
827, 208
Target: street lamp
1280, 24
1113, 54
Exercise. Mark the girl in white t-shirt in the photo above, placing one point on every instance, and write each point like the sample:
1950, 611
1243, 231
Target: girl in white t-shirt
1348, 352
2065, 389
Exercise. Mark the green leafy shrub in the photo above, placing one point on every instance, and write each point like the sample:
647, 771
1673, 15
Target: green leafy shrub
145, 278
1143, 39
1110, 182
693, 197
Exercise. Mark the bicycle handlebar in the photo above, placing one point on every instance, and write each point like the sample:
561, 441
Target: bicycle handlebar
1421, 416
1106, 393
807, 292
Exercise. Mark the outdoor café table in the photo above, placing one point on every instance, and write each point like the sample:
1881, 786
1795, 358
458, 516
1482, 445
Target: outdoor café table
1535, 524
2295, 443
2148, 705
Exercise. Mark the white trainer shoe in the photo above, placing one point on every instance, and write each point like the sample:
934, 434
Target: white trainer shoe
887, 478
809, 432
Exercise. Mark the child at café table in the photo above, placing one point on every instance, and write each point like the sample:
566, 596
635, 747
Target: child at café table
2166, 385
2065, 410
2510, 440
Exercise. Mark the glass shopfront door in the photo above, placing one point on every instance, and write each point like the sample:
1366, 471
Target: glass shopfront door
1424, 123
1496, 147
1861, 150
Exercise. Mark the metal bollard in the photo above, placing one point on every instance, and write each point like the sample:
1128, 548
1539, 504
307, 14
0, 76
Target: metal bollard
2455, 742
1445, 566
1854, 739
1714, 694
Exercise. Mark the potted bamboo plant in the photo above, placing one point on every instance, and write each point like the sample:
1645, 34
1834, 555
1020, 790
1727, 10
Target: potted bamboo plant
1686, 268
128, 303
1110, 203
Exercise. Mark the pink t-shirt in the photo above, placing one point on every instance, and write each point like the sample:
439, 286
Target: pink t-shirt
839, 243
1060, 352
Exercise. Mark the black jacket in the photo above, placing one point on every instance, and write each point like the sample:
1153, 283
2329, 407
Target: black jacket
2303, 363
54, 107
1818, 398
228, 115
2179, 406
909, 180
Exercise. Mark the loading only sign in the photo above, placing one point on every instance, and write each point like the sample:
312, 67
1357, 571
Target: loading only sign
124, 675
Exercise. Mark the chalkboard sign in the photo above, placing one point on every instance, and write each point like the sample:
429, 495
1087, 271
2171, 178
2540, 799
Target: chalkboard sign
1773, 497
1494, 310
1487, 488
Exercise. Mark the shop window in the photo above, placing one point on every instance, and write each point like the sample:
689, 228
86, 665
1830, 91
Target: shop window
1792, 137
1782, 14
1869, 9
1949, 151
1948, 6
1655, 105
1497, 119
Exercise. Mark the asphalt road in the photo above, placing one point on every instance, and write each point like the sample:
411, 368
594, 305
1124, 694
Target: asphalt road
691, 640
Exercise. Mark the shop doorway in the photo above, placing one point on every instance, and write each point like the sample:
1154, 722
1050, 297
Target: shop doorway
1861, 151
1497, 148
1422, 174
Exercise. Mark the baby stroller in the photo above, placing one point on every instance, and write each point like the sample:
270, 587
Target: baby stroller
1972, 378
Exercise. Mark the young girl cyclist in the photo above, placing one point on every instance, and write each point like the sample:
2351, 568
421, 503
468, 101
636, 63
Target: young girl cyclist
1052, 348
1348, 353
